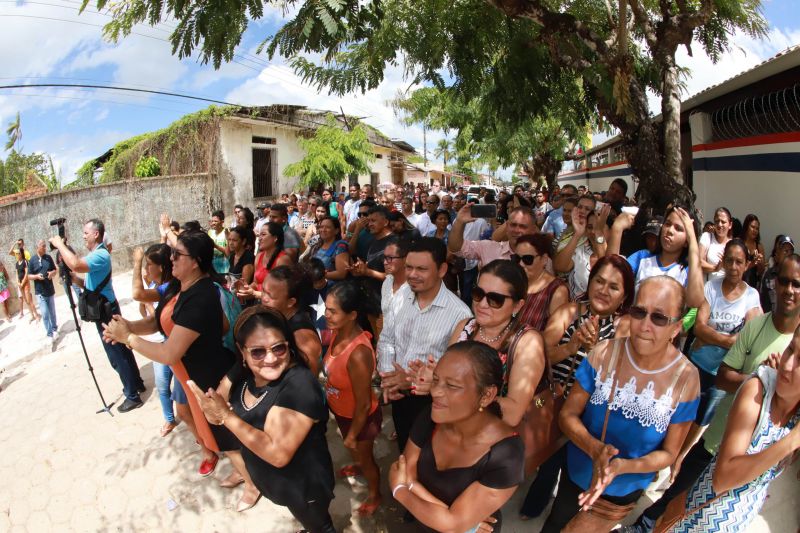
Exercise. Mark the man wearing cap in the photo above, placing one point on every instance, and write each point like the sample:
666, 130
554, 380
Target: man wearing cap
651, 232
784, 247
263, 216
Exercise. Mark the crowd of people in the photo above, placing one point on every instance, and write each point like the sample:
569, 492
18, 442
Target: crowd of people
649, 344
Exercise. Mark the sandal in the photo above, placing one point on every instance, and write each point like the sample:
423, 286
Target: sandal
244, 505
167, 428
349, 471
232, 481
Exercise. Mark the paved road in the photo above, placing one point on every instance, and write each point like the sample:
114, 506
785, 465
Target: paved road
65, 468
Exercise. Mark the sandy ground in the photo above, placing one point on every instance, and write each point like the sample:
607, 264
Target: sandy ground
65, 468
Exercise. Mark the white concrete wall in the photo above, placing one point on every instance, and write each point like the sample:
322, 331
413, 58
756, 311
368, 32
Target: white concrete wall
772, 196
237, 158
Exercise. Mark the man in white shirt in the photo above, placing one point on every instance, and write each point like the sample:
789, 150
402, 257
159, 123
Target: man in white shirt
425, 221
407, 208
419, 326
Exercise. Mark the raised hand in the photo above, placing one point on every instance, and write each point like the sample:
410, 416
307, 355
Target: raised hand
213, 405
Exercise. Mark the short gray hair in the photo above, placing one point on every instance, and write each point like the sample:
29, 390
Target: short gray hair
98, 225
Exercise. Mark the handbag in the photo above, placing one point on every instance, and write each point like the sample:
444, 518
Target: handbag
539, 427
93, 306
603, 514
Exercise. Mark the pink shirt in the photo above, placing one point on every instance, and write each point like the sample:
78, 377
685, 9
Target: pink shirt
485, 251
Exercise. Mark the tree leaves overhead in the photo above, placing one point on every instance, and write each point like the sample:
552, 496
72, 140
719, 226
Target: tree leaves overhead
331, 155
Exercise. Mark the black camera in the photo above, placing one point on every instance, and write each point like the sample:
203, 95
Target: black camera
62, 232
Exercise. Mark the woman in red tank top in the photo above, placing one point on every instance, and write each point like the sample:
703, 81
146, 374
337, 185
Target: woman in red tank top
348, 367
270, 255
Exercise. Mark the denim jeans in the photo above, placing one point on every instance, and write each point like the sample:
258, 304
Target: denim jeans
47, 308
122, 360
163, 378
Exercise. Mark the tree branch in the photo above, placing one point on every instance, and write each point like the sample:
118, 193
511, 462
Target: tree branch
641, 18
563, 25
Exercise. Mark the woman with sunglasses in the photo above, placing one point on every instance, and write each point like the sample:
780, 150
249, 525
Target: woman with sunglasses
627, 414
348, 367
546, 293
571, 333
462, 463
761, 435
270, 255
497, 299
277, 410
190, 316
677, 254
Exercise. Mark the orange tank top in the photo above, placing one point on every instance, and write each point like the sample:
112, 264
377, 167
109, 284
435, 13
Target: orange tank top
338, 388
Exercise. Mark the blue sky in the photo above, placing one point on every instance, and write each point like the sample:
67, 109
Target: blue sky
46, 41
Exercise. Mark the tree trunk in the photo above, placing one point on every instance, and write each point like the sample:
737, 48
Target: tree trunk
671, 120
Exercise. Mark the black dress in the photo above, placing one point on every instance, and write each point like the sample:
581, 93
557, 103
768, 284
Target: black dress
206, 360
503, 466
309, 474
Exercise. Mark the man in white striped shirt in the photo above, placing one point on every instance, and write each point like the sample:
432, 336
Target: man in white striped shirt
420, 325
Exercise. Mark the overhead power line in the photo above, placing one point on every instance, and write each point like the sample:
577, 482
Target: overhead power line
111, 87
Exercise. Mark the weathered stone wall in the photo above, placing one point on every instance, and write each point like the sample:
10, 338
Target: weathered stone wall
129, 209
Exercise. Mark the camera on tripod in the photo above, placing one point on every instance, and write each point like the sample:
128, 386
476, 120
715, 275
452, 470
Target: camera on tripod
62, 232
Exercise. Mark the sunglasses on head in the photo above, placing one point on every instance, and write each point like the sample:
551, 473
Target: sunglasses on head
279, 349
658, 319
528, 259
788, 281
494, 299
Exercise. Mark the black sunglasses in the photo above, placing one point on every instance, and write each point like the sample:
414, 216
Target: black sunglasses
788, 281
658, 319
494, 299
279, 349
528, 259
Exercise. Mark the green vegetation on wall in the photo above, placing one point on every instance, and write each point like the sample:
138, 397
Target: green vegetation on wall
184, 147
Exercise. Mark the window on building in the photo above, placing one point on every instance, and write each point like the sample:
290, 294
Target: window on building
374, 179
263, 140
265, 169
379, 156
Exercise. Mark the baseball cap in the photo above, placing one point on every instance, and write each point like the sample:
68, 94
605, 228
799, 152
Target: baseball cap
653, 226
263, 205
784, 240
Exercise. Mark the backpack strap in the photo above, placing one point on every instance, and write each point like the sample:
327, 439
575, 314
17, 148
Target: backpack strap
102, 285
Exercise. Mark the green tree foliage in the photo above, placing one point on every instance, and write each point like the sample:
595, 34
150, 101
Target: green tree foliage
14, 132
17, 168
332, 154
147, 167
529, 52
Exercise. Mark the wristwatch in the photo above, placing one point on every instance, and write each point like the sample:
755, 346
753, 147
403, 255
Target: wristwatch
600, 239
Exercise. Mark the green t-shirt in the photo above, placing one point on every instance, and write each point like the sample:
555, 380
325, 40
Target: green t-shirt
761, 338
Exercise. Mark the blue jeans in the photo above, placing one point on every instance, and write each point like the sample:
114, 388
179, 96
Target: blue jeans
47, 308
163, 378
122, 360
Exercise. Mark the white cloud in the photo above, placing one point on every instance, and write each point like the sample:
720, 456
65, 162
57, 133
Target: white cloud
278, 84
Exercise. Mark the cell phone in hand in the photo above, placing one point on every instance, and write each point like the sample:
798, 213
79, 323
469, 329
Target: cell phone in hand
483, 211
632, 210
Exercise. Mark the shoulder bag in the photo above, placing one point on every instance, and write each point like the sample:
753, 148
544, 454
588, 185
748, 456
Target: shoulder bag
93, 306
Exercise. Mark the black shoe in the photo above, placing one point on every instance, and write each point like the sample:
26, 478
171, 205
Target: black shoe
129, 405
141, 387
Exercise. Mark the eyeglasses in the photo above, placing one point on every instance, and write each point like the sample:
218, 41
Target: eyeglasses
390, 258
788, 281
528, 259
429, 202
494, 299
658, 319
176, 253
279, 349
